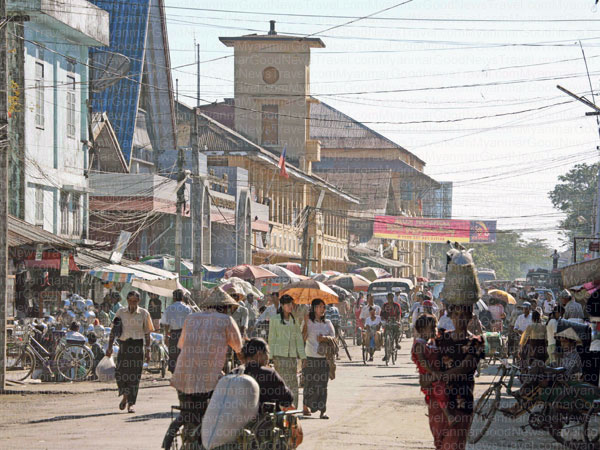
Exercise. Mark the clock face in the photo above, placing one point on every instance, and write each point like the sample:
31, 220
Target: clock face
270, 75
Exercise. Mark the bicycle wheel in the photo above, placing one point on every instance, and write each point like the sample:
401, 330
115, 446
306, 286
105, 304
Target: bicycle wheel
394, 352
74, 362
400, 331
568, 426
365, 353
23, 366
591, 427
483, 413
388, 348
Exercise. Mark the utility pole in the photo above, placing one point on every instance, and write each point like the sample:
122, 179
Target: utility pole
179, 210
198, 75
596, 112
197, 209
3, 188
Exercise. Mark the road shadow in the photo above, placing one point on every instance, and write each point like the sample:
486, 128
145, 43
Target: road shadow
71, 417
404, 376
146, 417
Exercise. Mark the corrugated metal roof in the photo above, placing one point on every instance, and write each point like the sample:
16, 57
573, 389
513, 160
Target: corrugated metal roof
372, 188
337, 130
22, 233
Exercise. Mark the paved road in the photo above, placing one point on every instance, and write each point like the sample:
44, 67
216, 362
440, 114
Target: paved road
372, 407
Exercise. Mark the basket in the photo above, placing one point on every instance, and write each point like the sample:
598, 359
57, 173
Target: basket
461, 286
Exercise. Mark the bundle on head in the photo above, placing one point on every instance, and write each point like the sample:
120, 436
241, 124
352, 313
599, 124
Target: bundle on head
461, 286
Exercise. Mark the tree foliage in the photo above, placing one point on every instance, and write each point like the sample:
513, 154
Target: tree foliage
574, 195
511, 256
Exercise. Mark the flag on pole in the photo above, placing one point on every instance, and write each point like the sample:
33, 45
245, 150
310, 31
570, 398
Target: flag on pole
281, 165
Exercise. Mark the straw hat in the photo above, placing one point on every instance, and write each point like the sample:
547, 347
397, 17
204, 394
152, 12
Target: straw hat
570, 334
217, 297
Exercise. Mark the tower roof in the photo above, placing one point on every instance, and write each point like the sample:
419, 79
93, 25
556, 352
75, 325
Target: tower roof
272, 36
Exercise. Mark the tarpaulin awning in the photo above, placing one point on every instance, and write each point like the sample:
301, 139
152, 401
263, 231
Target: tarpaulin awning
163, 288
385, 262
121, 274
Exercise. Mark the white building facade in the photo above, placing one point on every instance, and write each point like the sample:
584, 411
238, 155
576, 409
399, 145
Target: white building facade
54, 114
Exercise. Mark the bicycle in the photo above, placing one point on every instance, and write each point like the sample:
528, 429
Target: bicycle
390, 333
271, 429
570, 410
339, 335
72, 360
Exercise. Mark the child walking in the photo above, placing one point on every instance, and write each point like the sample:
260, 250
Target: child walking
427, 358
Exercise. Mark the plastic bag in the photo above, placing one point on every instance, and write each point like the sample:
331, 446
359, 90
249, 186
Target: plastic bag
106, 369
233, 404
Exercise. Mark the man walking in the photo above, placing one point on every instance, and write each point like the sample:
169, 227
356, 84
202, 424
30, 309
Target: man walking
172, 320
136, 327
204, 341
573, 310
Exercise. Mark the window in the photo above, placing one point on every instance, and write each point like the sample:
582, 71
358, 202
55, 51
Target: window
71, 102
270, 127
76, 213
39, 205
64, 213
39, 95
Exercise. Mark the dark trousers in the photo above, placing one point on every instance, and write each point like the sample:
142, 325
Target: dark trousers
193, 407
128, 371
173, 349
316, 377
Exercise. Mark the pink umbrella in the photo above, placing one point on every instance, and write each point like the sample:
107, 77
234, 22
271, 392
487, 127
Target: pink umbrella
249, 272
292, 267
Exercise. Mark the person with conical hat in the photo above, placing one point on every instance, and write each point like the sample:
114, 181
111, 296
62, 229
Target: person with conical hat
204, 341
570, 359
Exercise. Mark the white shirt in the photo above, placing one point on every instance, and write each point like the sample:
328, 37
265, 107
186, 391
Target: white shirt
373, 322
364, 312
548, 306
446, 323
314, 329
522, 322
551, 330
267, 313
175, 315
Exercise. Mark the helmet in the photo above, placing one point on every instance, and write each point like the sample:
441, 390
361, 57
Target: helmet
90, 304
89, 316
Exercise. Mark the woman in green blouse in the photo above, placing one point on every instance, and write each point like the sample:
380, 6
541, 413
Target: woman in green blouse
287, 344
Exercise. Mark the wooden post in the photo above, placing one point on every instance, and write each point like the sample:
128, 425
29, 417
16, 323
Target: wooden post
197, 209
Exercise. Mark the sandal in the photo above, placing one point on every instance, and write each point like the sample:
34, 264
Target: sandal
131, 409
123, 403
323, 415
306, 412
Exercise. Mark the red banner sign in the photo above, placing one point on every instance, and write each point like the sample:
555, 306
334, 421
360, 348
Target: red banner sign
434, 230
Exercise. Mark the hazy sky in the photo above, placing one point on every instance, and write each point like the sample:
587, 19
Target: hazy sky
446, 67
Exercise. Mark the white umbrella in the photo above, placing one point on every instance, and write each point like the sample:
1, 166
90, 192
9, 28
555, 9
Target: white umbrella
284, 275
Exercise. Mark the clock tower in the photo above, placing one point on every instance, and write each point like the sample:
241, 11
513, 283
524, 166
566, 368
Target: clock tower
272, 93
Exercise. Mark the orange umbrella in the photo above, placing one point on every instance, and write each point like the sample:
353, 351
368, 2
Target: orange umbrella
305, 291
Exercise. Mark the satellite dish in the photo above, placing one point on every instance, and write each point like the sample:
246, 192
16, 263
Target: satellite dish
107, 68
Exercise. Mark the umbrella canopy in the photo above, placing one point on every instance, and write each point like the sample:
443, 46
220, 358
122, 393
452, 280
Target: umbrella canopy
502, 296
373, 273
238, 286
422, 280
341, 292
249, 272
284, 275
350, 282
320, 277
292, 267
304, 292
